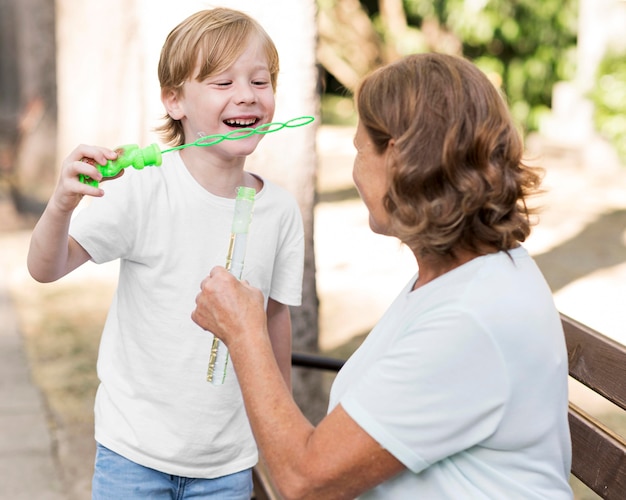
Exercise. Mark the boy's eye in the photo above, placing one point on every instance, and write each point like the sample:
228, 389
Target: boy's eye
260, 82
219, 83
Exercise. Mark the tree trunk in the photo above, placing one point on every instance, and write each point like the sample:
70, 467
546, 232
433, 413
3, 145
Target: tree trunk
349, 46
27, 101
394, 22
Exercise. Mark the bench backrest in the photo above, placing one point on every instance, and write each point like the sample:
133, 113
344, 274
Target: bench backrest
599, 454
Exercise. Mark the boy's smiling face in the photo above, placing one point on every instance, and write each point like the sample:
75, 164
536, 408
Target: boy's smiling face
241, 96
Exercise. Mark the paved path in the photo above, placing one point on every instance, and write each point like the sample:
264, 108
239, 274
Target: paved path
28, 467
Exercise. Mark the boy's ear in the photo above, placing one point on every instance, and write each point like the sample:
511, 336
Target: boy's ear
171, 101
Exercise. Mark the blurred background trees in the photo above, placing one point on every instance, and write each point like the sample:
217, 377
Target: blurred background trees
28, 102
609, 98
560, 63
527, 48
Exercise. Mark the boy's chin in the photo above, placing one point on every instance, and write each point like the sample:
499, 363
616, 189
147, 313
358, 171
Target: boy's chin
245, 146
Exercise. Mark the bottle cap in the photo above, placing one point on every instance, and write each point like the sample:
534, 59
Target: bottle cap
245, 193
152, 155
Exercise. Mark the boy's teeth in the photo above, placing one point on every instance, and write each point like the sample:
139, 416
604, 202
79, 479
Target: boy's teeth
241, 123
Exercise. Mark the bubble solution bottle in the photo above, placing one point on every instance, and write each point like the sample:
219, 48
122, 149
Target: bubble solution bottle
130, 155
244, 204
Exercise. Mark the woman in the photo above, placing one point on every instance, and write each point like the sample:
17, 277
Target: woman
460, 391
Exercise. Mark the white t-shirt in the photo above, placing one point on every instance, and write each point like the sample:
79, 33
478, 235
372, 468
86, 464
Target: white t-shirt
464, 381
154, 405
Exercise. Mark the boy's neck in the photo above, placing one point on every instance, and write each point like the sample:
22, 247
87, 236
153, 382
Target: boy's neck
219, 177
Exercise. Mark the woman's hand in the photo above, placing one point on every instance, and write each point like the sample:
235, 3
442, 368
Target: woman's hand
228, 308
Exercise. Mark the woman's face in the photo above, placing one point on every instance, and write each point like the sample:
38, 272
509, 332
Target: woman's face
370, 174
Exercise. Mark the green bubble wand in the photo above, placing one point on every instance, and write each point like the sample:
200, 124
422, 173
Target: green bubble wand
131, 155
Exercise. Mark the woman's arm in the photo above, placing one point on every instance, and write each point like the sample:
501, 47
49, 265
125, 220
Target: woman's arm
336, 459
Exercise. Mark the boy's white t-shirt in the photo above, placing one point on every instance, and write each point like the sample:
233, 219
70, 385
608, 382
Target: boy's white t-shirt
464, 381
154, 405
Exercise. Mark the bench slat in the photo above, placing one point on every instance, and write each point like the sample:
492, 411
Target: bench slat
597, 361
598, 455
263, 486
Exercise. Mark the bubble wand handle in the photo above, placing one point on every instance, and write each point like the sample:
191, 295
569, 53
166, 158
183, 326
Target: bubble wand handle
129, 155
244, 204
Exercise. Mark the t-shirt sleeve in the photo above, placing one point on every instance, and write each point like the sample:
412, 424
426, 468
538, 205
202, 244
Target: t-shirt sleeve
440, 389
106, 226
287, 278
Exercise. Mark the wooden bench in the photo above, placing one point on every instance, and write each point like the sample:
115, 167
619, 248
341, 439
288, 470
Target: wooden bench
598, 452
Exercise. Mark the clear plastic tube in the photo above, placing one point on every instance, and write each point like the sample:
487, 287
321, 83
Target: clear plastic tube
244, 203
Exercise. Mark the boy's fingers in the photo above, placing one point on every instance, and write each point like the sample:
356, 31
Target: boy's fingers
96, 154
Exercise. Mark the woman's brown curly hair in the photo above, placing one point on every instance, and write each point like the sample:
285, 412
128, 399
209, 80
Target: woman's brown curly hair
457, 177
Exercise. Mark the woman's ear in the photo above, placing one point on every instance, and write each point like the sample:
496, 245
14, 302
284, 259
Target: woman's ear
171, 100
390, 155
390, 150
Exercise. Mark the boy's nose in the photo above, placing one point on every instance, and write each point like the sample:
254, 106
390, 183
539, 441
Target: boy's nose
246, 95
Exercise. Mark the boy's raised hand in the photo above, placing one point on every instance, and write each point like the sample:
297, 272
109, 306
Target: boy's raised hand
52, 253
69, 190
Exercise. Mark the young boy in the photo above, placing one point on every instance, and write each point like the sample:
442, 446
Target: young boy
160, 426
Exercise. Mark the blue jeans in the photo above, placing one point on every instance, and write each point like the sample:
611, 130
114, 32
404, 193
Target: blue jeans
116, 478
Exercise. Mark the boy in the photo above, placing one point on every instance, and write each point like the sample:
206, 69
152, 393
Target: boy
160, 427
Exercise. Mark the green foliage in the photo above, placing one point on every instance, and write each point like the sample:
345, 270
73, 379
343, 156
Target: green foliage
338, 110
529, 44
609, 98
524, 46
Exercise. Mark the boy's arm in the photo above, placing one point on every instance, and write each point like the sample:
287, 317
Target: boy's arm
279, 329
52, 253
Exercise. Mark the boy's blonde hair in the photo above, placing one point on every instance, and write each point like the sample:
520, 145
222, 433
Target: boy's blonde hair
215, 38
